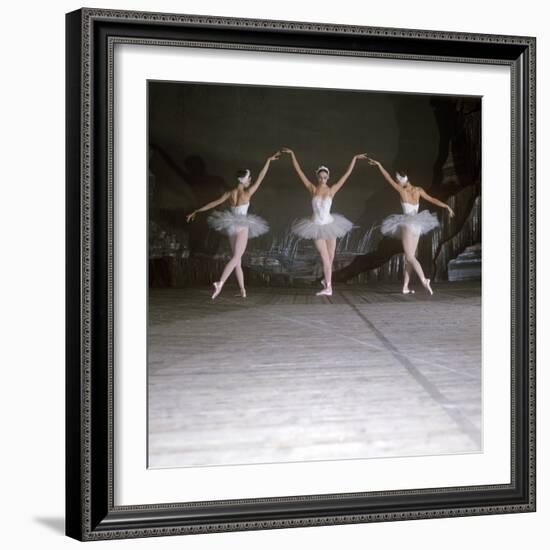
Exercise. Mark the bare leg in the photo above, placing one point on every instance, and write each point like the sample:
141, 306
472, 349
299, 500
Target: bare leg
238, 268
241, 238
322, 248
410, 243
331, 247
407, 277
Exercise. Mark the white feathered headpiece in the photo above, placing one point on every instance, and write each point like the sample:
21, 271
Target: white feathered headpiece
242, 179
402, 179
322, 168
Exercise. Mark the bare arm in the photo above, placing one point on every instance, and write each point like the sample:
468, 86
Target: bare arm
261, 175
435, 201
387, 177
336, 187
208, 206
309, 186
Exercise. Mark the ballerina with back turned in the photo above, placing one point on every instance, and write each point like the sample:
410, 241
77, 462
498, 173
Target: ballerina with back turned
236, 222
411, 224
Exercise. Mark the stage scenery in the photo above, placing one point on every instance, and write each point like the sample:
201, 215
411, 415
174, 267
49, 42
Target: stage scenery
314, 274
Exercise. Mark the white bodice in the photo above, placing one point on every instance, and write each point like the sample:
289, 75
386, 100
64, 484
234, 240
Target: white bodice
321, 210
409, 208
242, 209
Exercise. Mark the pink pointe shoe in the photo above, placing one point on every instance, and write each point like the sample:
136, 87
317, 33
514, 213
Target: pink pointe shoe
217, 288
327, 291
427, 286
407, 291
242, 293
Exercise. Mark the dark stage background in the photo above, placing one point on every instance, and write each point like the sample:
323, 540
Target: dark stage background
200, 134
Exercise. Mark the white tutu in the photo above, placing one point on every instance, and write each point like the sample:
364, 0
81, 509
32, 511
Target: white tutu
231, 221
306, 228
420, 223
322, 224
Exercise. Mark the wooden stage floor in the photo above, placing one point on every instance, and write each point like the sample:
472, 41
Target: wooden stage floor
285, 376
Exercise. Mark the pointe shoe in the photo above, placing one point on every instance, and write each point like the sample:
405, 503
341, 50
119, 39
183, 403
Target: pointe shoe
407, 291
427, 286
242, 293
327, 291
217, 289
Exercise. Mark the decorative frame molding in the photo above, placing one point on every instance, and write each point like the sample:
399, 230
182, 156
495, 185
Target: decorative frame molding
90, 40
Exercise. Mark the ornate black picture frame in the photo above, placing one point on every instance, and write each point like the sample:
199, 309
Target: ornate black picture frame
90, 510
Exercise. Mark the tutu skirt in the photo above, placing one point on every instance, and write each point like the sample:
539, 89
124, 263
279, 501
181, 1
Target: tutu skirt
306, 228
420, 223
230, 223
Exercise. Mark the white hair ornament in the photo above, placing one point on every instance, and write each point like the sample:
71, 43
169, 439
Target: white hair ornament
401, 179
243, 179
322, 168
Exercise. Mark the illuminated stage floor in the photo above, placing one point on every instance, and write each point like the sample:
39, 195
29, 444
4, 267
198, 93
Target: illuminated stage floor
285, 376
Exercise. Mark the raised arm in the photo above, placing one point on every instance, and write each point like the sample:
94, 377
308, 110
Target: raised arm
309, 186
336, 187
208, 206
384, 172
263, 172
435, 201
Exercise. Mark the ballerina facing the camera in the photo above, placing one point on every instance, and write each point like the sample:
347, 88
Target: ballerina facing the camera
236, 222
323, 227
411, 224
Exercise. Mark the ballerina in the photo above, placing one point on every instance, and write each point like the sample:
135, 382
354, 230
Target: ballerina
411, 224
323, 227
236, 222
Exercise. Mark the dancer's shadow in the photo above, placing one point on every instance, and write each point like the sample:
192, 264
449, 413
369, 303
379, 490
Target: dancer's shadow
179, 188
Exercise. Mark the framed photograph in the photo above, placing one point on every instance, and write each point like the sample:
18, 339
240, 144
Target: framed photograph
300, 274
